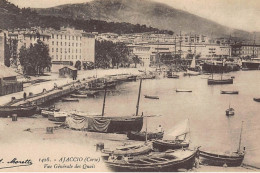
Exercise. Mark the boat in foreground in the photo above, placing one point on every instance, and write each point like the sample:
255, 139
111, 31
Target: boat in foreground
78, 96
140, 136
130, 150
151, 97
257, 99
20, 111
214, 159
229, 92
177, 138
230, 111
153, 162
221, 159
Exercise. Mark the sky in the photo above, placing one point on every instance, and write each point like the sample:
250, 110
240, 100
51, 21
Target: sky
238, 14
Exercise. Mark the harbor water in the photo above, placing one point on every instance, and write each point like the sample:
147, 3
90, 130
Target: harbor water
204, 107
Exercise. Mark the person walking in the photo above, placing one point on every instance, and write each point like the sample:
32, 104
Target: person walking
24, 96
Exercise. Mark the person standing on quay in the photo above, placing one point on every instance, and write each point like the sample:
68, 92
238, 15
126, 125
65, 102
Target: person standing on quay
24, 95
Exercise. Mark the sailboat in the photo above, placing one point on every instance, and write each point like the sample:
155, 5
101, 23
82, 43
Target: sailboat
230, 111
219, 81
220, 159
191, 71
177, 138
107, 124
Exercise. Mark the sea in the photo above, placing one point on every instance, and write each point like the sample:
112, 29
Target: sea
204, 107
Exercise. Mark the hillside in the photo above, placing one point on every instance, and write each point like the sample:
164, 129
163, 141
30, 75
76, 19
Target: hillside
13, 17
144, 12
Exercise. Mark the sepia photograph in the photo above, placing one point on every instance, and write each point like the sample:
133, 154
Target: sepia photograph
129, 86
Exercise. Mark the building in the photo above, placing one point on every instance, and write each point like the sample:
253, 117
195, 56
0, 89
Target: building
66, 46
246, 50
2, 46
8, 81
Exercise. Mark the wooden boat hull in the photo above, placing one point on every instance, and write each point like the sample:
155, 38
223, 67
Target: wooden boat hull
20, 111
219, 160
229, 92
230, 113
69, 100
140, 136
160, 162
133, 151
161, 145
78, 96
183, 90
122, 125
257, 99
56, 119
220, 82
151, 97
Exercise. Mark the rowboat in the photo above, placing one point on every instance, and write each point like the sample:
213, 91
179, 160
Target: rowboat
70, 100
257, 99
20, 111
57, 116
229, 92
176, 138
130, 150
140, 136
151, 97
153, 162
215, 159
183, 90
78, 96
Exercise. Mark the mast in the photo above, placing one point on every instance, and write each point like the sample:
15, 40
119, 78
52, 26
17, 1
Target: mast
104, 102
180, 43
146, 130
240, 136
137, 105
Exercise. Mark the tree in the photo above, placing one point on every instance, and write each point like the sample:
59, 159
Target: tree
35, 58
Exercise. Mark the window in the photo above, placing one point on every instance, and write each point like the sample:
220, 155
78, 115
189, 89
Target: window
77, 44
57, 43
69, 50
65, 57
65, 43
52, 49
61, 43
52, 35
52, 42
69, 37
57, 49
57, 36
76, 51
30, 37
76, 38
69, 43
72, 50
56, 56
52, 57
60, 50
72, 44
72, 37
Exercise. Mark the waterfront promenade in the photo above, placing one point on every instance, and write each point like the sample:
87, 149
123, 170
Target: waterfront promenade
55, 80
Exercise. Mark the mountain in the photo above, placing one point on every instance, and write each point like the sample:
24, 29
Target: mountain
144, 12
13, 17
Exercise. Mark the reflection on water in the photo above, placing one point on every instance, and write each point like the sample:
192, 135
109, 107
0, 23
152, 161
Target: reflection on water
204, 106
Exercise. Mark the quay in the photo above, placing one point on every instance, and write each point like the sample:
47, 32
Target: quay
55, 92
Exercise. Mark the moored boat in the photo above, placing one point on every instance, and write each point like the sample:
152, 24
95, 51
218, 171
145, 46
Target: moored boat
177, 138
70, 100
229, 92
221, 159
219, 81
20, 111
183, 90
230, 111
153, 162
130, 150
257, 99
78, 96
151, 97
141, 136
57, 116
215, 159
